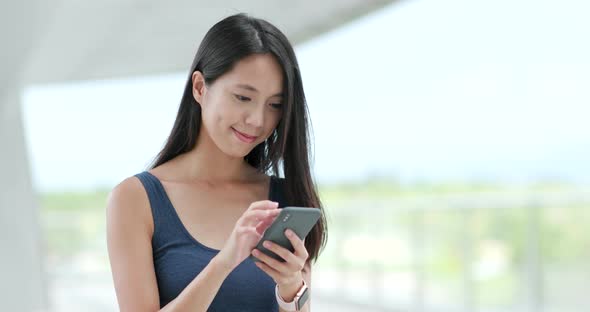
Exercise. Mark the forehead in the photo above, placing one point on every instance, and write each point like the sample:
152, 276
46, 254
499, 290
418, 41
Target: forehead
262, 71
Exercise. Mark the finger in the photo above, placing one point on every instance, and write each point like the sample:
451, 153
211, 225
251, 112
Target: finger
291, 263
264, 224
274, 274
252, 217
282, 252
263, 205
247, 230
272, 262
262, 213
298, 244
271, 215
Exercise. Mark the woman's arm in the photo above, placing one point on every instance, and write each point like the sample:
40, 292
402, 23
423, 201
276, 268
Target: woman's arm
130, 229
129, 235
288, 275
289, 294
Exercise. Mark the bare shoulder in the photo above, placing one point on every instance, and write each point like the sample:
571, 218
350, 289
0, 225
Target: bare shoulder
128, 189
129, 234
129, 203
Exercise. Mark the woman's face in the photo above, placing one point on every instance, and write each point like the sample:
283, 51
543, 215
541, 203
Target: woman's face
242, 107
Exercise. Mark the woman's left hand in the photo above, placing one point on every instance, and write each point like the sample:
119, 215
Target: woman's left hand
288, 275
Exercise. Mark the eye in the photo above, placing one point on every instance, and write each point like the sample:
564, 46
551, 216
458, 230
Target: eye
242, 98
277, 105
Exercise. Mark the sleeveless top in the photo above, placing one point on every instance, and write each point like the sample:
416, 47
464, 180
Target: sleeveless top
179, 257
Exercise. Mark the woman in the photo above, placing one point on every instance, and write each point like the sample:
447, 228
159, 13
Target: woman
180, 235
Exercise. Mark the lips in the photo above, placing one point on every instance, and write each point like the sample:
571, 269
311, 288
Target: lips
244, 137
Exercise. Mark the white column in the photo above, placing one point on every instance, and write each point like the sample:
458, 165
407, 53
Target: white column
22, 282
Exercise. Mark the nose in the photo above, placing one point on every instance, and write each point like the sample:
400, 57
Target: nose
255, 117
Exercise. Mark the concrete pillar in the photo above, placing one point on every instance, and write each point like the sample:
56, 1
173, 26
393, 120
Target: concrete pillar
22, 278
21, 257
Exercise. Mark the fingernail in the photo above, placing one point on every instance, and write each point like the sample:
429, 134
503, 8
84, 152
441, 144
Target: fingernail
266, 244
288, 232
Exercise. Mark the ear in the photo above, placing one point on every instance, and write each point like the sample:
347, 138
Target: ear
199, 86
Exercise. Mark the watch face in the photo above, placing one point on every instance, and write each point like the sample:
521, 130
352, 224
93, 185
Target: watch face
303, 299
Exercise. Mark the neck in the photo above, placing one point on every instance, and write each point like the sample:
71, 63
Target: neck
207, 162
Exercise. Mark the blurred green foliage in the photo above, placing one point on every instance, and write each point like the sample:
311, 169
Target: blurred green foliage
373, 212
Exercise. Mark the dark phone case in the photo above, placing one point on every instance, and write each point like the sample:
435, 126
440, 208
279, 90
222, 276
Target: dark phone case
299, 219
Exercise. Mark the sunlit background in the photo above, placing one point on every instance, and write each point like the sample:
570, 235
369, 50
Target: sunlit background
451, 152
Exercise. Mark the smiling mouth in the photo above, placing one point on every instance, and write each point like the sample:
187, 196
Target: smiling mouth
244, 137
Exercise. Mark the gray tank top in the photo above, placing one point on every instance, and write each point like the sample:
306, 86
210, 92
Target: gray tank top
179, 257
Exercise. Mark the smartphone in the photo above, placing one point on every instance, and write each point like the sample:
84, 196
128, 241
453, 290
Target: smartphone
299, 219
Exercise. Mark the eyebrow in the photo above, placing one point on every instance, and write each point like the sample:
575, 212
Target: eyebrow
251, 88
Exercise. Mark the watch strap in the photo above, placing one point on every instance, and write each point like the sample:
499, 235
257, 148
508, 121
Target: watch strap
298, 301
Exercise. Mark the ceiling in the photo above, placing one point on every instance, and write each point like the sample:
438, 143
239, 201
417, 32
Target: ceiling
73, 40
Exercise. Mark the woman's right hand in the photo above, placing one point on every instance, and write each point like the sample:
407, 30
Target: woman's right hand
247, 232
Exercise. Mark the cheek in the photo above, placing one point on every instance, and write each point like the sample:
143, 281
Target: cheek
217, 112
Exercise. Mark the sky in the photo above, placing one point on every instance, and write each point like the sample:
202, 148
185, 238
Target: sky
421, 90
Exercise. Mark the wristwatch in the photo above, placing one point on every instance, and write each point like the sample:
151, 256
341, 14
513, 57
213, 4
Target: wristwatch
299, 300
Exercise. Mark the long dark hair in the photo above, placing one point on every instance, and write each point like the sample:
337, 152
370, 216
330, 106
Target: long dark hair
227, 42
